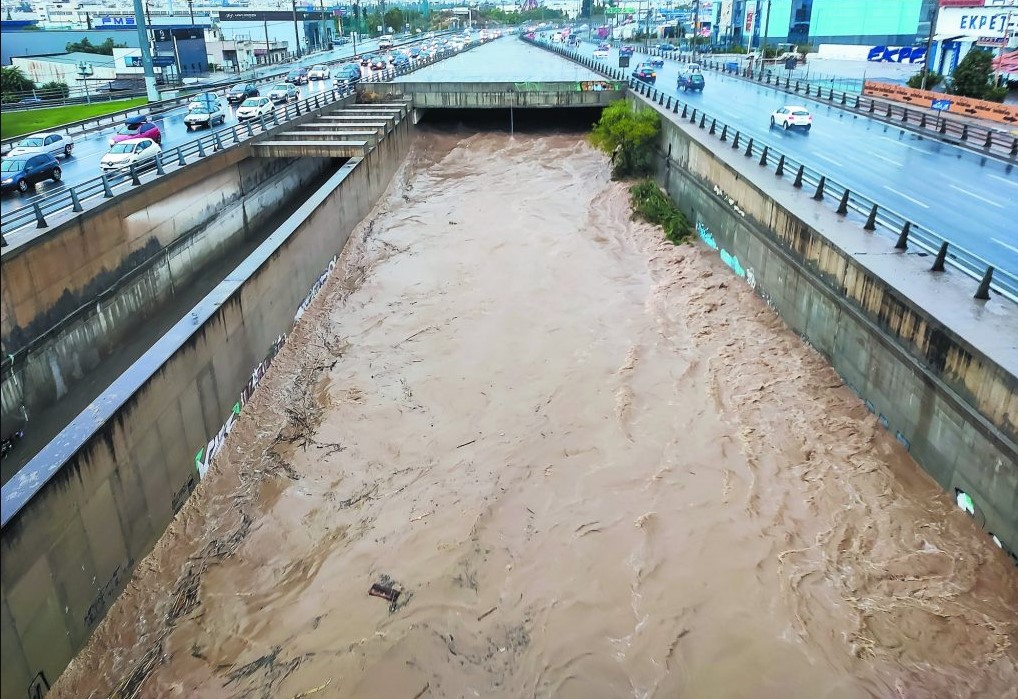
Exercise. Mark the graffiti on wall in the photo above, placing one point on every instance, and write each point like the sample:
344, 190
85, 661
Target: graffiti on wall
728, 258
889, 54
107, 593
204, 456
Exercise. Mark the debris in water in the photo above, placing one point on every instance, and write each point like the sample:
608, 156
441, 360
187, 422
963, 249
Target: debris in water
486, 613
388, 589
466, 443
421, 693
309, 692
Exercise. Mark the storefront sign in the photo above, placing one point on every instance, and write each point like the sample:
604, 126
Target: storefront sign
975, 22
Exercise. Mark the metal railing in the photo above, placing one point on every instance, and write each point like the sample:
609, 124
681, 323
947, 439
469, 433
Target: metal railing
998, 142
826, 191
75, 199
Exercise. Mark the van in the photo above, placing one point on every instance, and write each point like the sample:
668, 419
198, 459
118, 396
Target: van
557, 37
385, 42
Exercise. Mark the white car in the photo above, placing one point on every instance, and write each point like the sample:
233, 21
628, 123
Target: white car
204, 116
792, 117
319, 72
133, 151
55, 144
254, 107
600, 53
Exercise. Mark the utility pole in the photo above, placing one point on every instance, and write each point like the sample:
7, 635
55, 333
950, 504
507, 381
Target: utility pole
763, 49
190, 9
929, 45
321, 38
268, 47
696, 26
146, 54
296, 32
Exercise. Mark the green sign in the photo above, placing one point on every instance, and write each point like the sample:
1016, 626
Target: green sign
620, 10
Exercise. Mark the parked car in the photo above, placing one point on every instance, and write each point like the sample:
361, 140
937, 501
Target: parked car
204, 99
297, 76
792, 117
348, 74
241, 92
135, 151
319, 72
204, 116
341, 41
690, 81
23, 173
56, 144
602, 50
667, 47
284, 92
136, 127
646, 73
254, 108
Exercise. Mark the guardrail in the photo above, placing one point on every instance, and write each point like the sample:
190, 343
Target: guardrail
73, 199
219, 87
997, 142
826, 190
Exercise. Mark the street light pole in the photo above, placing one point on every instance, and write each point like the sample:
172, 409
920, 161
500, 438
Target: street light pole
763, 48
929, 46
296, 32
146, 54
190, 8
321, 38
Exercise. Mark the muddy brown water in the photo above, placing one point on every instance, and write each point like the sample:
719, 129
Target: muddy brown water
592, 463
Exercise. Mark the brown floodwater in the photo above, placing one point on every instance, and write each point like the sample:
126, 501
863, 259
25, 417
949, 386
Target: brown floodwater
593, 465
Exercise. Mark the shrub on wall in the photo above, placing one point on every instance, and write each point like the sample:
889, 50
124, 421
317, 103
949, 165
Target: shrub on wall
652, 205
628, 136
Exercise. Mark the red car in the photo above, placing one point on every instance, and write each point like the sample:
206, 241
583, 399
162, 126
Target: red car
137, 127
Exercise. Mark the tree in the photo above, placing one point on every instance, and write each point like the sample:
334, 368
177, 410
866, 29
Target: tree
974, 75
394, 18
13, 80
86, 46
629, 136
585, 8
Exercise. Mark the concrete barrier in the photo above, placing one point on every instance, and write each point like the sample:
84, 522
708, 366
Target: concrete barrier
503, 95
952, 404
80, 516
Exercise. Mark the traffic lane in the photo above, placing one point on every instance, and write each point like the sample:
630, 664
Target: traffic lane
88, 150
871, 159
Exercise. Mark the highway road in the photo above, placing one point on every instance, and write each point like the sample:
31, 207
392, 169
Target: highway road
964, 197
84, 161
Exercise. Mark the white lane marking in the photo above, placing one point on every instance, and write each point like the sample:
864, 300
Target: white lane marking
976, 196
887, 160
1005, 180
896, 141
1012, 248
830, 160
905, 196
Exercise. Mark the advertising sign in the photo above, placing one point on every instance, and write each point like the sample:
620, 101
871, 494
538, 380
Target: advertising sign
116, 22
975, 22
749, 21
964, 106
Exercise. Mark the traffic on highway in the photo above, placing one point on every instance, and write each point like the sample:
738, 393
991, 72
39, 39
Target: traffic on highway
41, 164
964, 196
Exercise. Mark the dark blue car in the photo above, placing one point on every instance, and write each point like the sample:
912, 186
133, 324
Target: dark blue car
347, 74
667, 47
23, 173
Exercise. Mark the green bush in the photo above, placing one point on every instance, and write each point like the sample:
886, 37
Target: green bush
652, 205
53, 90
629, 136
996, 94
973, 76
933, 79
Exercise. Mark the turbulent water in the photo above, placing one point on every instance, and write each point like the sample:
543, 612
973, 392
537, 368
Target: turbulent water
592, 463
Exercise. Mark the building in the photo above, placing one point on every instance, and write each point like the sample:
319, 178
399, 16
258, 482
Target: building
962, 25
63, 68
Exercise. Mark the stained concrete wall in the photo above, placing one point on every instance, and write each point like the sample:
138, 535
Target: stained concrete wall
70, 550
520, 95
948, 403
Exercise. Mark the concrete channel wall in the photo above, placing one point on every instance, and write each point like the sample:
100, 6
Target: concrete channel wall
950, 405
120, 471
503, 95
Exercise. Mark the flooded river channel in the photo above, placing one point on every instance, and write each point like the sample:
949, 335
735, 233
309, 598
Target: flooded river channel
574, 461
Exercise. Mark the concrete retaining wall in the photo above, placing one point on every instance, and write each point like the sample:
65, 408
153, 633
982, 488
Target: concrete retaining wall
519, 95
951, 406
81, 515
203, 219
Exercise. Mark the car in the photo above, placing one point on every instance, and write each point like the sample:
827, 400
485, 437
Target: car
602, 50
692, 68
667, 47
342, 41
284, 92
23, 173
385, 42
366, 60
241, 92
204, 99
690, 81
254, 108
645, 73
656, 62
56, 144
134, 151
319, 72
415, 52
136, 127
347, 74
792, 117
379, 63
297, 76
401, 62
627, 50
204, 116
